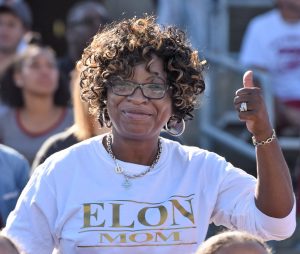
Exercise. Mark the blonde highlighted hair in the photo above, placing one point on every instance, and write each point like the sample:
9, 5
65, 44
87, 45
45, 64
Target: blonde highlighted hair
217, 242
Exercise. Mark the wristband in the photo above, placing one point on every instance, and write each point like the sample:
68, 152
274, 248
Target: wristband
267, 141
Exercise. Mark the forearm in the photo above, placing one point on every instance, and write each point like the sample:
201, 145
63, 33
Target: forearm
274, 192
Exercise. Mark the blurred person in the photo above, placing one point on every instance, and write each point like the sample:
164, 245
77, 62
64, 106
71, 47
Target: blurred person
131, 190
272, 44
84, 19
191, 16
14, 174
84, 127
38, 101
234, 242
15, 21
7, 246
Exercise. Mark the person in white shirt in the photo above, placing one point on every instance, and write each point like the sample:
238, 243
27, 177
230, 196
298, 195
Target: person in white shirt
131, 191
272, 44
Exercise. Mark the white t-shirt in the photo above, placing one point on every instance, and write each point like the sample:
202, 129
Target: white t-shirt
274, 44
75, 202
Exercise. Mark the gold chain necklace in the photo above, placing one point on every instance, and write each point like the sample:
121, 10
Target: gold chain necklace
127, 177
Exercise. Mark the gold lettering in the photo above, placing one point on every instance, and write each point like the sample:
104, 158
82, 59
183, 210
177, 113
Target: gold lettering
133, 237
116, 217
180, 208
87, 215
162, 212
176, 236
121, 236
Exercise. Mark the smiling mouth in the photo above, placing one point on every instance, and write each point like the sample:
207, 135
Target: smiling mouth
136, 115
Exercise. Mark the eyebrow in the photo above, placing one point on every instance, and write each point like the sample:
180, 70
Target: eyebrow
155, 76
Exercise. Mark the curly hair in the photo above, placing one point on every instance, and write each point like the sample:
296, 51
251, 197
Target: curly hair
12, 95
120, 46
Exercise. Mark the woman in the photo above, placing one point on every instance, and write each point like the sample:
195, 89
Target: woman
37, 99
132, 191
234, 242
84, 127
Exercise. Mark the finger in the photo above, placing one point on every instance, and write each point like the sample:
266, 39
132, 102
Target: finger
248, 79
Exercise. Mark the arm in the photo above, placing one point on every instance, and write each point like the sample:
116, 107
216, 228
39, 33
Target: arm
274, 192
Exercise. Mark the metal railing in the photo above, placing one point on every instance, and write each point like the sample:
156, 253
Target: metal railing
223, 78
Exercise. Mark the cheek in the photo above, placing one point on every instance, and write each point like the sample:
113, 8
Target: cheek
27, 77
165, 109
169, 104
112, 102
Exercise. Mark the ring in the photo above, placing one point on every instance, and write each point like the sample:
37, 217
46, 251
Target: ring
243, 107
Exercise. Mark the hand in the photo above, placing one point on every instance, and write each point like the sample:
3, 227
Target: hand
256, 116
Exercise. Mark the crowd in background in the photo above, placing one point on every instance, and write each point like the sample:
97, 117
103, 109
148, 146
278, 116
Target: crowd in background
40, 107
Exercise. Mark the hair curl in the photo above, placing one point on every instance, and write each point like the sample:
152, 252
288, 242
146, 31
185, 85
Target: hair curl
120, 46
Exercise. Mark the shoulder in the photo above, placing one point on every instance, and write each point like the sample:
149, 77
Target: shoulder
10, 152
191, 152
55, 143
6, 112
198, 162
11, 156
3, 108
60, 140
266, 19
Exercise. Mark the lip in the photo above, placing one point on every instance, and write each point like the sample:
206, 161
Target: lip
137, 114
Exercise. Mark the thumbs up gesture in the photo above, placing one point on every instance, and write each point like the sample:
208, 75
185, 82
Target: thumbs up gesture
251, 108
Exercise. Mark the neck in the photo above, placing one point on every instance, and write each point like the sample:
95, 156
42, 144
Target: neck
289, 15
142, 152
38, 105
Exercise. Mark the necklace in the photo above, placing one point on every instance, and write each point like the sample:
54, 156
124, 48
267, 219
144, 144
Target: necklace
127, 177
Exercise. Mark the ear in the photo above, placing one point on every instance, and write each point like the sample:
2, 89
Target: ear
18, 79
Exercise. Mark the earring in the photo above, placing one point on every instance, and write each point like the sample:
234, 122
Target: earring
176, 128
105, 118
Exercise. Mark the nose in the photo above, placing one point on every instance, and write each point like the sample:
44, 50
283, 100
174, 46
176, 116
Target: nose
137, 96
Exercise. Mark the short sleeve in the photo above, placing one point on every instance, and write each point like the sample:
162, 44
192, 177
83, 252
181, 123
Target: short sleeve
32, 222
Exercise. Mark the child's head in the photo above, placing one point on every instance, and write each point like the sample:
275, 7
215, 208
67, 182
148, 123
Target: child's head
234, 242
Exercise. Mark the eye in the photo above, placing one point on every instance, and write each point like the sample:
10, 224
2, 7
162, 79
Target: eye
155, 86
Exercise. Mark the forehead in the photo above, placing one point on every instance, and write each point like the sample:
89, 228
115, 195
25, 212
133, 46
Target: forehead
9, 15
35, 53
156, 67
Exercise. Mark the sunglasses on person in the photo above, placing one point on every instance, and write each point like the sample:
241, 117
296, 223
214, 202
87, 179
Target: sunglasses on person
150, 90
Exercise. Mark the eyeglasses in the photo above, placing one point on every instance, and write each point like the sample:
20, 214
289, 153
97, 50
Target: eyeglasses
149, 90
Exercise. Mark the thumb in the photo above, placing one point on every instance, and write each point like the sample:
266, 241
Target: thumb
248, 79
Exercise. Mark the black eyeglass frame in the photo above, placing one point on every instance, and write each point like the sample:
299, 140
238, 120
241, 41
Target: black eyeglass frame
111, 84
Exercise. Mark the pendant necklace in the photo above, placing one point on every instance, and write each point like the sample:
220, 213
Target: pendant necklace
119, 170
